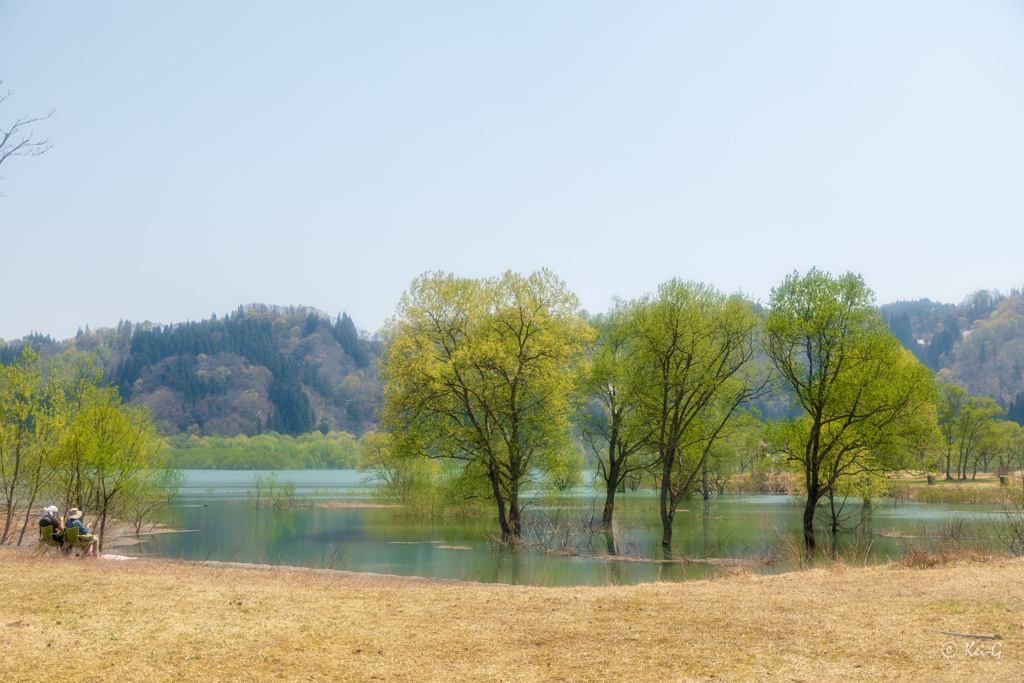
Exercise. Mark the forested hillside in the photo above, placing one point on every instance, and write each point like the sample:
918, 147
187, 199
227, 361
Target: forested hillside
262, 368
989, 360
978, 344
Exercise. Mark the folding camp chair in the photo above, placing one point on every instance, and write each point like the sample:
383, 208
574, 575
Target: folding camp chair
48, 540
72, 539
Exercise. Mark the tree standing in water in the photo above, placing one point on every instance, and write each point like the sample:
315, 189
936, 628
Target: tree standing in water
481, 372
865, 402
609, 420
691, 366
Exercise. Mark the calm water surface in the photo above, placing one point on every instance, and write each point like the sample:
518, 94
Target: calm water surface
223, 524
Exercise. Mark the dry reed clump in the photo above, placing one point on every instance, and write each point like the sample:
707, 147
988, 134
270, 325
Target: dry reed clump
914, 555
958, 540
162, 621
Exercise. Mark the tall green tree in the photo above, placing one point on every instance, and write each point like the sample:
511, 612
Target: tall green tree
951, 402
691, 366
32, 416
481, 372
747, 440
866, 403
975, 430
110, 454
64, 436
609, 417
1012, 436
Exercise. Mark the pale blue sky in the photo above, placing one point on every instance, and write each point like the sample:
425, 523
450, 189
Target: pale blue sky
209, 154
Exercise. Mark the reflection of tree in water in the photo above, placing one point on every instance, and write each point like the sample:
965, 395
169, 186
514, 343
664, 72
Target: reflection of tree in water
273, 525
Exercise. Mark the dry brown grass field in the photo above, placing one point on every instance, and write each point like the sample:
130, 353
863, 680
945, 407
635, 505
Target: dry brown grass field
72, 619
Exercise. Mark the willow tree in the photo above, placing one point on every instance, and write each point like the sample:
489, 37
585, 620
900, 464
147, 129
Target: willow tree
480, 371
110, 461
1012, 437
866, 404
610, 422
32, 417
691, 366
976, 431
951, 401
65, 437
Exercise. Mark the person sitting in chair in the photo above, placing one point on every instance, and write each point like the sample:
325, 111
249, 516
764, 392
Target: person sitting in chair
51, 519
93, 542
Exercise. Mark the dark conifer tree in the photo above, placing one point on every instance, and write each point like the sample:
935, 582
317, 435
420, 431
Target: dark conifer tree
1015, 411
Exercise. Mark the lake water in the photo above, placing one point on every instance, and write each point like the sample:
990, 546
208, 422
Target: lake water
215, 506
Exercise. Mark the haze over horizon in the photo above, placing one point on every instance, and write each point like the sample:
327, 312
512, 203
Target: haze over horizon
207, 156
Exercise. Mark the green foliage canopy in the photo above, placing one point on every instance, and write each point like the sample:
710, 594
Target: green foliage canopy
866, 403
481, 372
65, 437
270, 451
690, 368
608, 416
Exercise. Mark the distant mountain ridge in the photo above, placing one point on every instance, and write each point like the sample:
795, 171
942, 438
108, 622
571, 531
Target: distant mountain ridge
293, 369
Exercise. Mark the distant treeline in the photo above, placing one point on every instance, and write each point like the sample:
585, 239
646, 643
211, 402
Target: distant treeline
334, 450
293, 369
11, 353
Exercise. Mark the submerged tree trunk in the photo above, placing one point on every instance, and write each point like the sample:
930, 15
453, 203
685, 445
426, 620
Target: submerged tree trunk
611, 485
809, 509
667, 506
609, 506
609, 537
835, 515
506, 529
705, 528
515, 515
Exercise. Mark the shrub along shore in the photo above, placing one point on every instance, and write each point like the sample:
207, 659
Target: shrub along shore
161, 620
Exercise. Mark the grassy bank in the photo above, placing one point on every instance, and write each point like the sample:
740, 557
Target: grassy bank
982, 490
161, 620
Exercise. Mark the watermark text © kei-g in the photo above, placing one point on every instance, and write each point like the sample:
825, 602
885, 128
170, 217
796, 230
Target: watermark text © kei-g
973, 648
